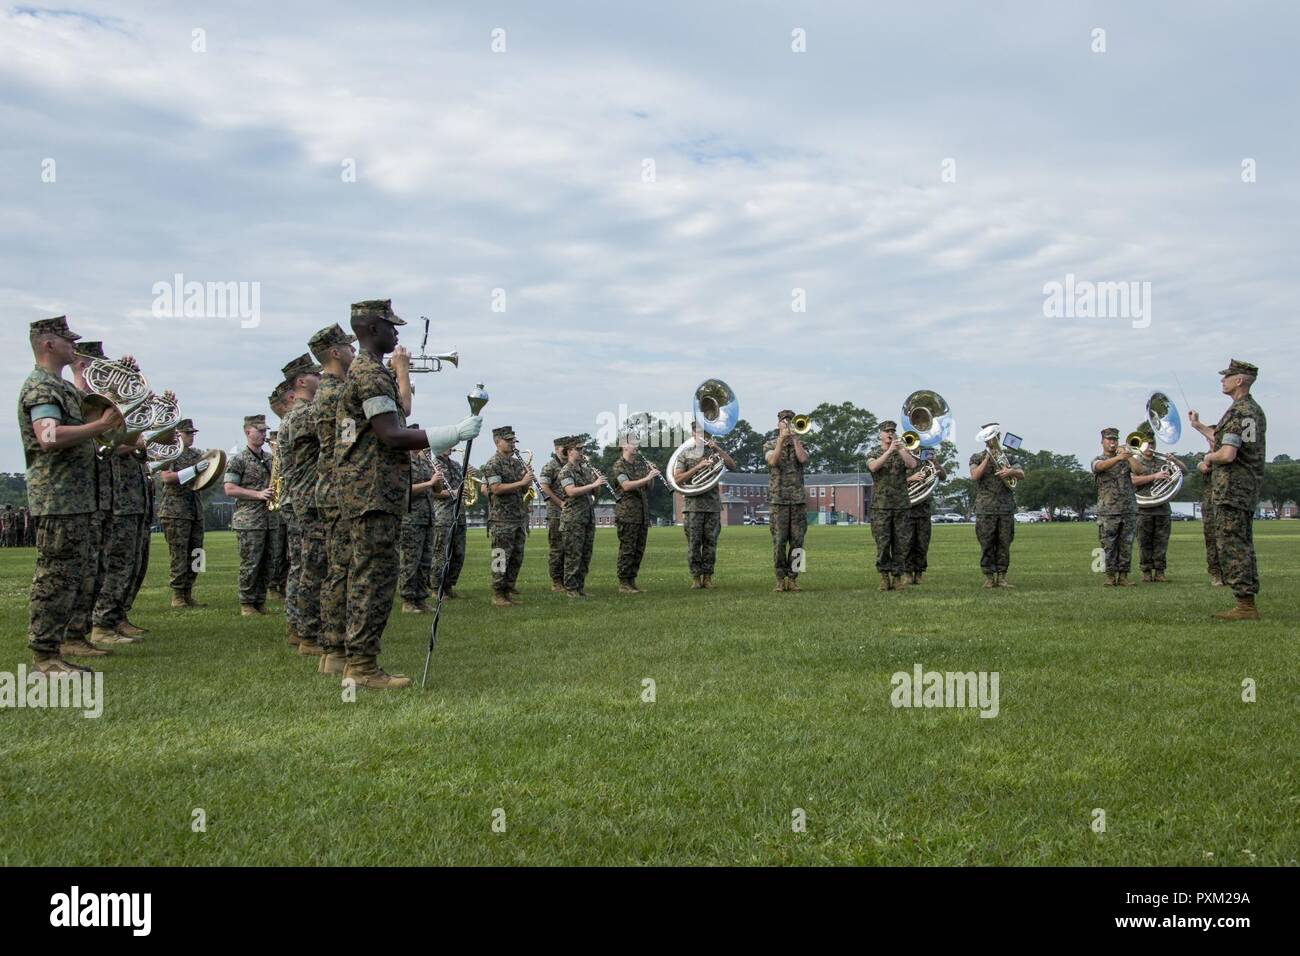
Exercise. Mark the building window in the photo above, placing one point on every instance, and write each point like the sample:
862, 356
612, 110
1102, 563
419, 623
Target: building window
821, 492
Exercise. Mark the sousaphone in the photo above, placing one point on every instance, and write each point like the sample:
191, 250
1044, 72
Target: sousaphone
717, 409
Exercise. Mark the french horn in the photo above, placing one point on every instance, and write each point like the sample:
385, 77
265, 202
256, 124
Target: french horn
111, 384
717, 409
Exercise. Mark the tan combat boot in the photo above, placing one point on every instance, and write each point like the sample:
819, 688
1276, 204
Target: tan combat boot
886, 583
635, 587
900, 581
780, 584
557, 586
1001, 580
500, 600
706, 582
102, 635
80, 647
1123, 581
990, 581
309, 647
247, 610
54, 664
365, 671
275, 596
1216, 581
190, 602
696, 582
574, 593
1159, 577
625, 588
178, 599
1146, 577
410, 607
792, 584
127, 629
1244, 611
333, 661
1110, 580
291, 635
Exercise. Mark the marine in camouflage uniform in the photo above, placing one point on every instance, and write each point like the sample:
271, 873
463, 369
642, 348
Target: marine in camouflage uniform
60, 494
578, 520
248, 480
889, 507
507, 479
1116, 507
1236, 478
417, 537
1207, 527
332, 347
702, 513
445, 535
548, 479
785, 457
100, 518
633, 476
279, 575
300, 456
995, 523
1154, 522
917, 561
180, 510
130, 502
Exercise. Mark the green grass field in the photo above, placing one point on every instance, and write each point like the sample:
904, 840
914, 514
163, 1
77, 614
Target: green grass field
1124, 700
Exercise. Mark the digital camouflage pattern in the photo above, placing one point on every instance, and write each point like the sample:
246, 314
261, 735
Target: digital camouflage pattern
417, 535
62, 558
995, 532
917, 558
130, 485
549, 477
334, 589
372, 576
1208, 530
184, 538
121, 545
702, 531
250, 470
62, 481
1115, 535
992, 496
1115, 493
299, 448
369, 475
789, 525
507, 511
444, 534
889, 492
254, 565
631, 516
1237, 483
577, 524
710, 502
326, 421
177, 501
892, 530
1234, 542
1153, 530
785, 478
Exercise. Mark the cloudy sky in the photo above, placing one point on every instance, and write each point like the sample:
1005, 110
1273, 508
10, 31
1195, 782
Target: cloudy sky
647, 185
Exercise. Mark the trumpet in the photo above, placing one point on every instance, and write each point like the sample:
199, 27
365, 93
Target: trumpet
432, 363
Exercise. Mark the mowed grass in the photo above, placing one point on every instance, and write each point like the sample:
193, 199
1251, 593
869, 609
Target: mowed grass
1124, 700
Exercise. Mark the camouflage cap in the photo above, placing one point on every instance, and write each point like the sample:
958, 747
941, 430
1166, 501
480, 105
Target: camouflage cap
376, 309
255, 421
304, 364
505, 431
58, 325
784, 413
888, 426
186, 425
1110, 433
278, 393
1238, 367
563, 441
93, 350
328, 337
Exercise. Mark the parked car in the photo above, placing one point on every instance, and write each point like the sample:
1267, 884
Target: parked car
1028, 517
948, 517
1180, 516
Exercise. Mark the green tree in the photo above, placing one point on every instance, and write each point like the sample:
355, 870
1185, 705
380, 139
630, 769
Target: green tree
840, 438
745, 446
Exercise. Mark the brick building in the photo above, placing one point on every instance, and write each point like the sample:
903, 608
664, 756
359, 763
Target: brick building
832, 498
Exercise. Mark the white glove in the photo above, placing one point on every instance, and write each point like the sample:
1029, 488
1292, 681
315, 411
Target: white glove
469, 427
202, 466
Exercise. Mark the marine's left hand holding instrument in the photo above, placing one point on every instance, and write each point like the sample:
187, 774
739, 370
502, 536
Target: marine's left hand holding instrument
477, 398
926, 423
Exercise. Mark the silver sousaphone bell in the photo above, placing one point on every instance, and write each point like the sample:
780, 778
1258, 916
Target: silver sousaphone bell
717, 410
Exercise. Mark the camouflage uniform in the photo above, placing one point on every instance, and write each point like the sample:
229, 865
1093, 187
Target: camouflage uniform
1116, 514
1154, 523
181, 512
292, 530
577, 524
995, 523
417, 535
631, 516
252, 470
83, 611
917, 560
549, 477
1235, 491
126, 525
789, 507
702, 518
373, 484
444, 535
61, 495
507, 521
301, 455
889, 525
1207, 529
338, 531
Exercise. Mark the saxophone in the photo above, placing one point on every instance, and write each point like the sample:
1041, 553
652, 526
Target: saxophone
277, 482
